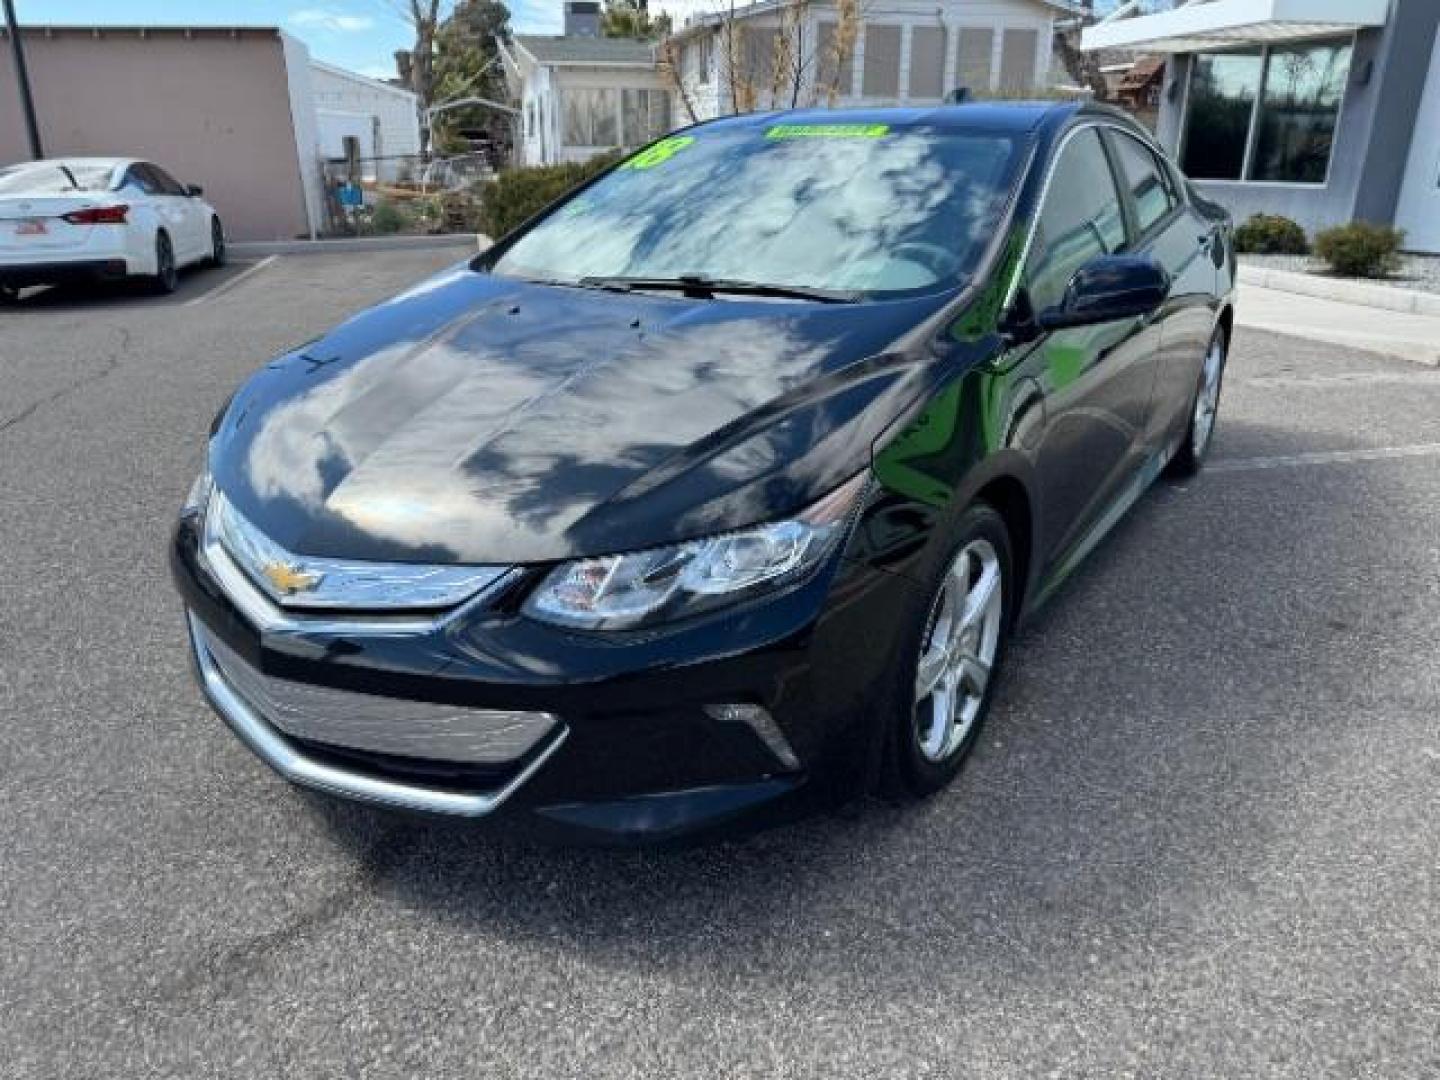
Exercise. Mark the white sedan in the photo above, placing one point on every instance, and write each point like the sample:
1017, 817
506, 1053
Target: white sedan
101, 218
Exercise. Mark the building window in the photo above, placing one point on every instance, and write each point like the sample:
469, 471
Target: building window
644, 115
704, 56
1223, 88
1298, 113
977, 50
839, 76
1284, 133
591, 117
927, 62
881, 75
1017, 61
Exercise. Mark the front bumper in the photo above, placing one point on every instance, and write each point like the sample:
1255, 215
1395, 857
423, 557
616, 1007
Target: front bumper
647, 743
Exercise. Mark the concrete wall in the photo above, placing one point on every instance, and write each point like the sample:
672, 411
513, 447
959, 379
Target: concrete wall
1377, 119
212, 107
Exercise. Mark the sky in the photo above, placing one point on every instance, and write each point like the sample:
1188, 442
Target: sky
361, 35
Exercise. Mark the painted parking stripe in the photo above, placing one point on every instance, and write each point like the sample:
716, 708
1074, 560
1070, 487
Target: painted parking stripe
1324, 457
1348, 379
227, 285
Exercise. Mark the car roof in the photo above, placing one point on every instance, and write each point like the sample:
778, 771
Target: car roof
1015, 116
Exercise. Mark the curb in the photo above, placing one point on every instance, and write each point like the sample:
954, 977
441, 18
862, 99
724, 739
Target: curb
1342, 290
356, 246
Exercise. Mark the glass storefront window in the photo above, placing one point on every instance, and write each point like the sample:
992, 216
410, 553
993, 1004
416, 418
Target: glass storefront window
1298, 111
1289, 137
1217, 125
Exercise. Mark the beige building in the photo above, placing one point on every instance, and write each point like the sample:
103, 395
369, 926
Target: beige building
237, 111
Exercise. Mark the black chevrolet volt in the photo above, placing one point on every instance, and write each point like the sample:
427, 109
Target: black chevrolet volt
714, 491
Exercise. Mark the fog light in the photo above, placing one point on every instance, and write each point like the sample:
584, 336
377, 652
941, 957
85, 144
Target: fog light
763, 724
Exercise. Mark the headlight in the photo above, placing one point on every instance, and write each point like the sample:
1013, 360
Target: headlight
621, 591
199, 497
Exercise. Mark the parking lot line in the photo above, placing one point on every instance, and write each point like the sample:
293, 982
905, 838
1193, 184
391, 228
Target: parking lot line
227, 285
1348, 379
1325, 457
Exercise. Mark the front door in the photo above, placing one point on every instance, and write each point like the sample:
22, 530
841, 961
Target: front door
1097, 380
1419, 210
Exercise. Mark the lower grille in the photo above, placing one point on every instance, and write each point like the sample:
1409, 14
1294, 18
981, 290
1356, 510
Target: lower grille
381, 725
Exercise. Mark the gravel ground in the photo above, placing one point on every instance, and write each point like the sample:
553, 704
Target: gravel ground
1420, 273
1198, 839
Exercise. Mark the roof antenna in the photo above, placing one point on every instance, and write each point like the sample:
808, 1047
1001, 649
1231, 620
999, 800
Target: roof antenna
959, 96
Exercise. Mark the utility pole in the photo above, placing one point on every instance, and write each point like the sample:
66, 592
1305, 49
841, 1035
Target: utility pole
22, 76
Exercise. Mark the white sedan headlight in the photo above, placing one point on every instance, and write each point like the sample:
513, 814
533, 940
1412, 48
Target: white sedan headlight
622, 591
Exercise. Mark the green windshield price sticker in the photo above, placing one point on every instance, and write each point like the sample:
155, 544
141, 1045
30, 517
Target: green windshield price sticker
660, 153
827, 131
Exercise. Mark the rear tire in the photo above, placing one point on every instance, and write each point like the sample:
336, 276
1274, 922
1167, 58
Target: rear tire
948, 665
167, 274
218, 253
9, 294
1204, 408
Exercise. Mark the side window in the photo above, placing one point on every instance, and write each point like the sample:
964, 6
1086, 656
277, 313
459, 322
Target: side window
167, 184
1081, 219
138, 179
1147, 180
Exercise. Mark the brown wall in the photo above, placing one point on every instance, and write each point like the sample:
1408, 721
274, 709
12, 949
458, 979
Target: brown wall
213, 109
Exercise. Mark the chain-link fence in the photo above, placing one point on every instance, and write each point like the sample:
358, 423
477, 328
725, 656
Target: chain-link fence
404, 194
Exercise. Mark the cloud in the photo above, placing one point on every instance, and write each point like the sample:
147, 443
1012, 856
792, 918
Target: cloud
332, 21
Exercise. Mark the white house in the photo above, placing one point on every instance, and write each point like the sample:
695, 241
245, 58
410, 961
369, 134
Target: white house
582, 94
904, 52
384, 120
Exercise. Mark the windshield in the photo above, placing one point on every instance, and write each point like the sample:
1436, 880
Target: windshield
54, 178
869, 208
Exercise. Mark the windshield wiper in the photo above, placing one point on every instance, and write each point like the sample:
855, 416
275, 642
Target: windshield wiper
702, 285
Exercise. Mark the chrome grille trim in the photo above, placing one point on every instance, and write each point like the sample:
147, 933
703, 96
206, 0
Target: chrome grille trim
382, 725
330, 584
276, 751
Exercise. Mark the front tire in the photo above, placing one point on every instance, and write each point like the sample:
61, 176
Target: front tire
1200, 432
953, 652
167, 273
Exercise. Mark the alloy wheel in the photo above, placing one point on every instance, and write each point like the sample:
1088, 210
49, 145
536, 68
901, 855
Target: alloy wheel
1207, 402
958, 655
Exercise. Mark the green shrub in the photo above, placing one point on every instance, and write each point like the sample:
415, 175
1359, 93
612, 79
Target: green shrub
1271, 234
518, 194
388, 219
1361, 249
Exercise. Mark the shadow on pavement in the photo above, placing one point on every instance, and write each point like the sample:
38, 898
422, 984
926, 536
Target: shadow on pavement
1142, 746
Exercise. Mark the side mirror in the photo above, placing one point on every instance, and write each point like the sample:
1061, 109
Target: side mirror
194, 190
1108, 289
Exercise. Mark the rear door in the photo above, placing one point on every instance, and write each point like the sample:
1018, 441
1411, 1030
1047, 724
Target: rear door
189, 214
1096, 380
1189, 247
168, 208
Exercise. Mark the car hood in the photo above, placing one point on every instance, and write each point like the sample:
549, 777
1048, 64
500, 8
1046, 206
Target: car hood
487, 420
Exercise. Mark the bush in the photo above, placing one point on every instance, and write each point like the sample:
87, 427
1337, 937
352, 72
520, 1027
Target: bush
1361, 249
388, 219
1271, 234
518, 194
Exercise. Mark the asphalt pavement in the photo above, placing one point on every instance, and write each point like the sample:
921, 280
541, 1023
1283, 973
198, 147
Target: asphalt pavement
1200, 837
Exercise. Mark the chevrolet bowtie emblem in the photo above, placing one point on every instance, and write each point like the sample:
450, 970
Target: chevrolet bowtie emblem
289, 579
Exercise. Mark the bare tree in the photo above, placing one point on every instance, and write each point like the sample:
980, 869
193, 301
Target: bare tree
424, 18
